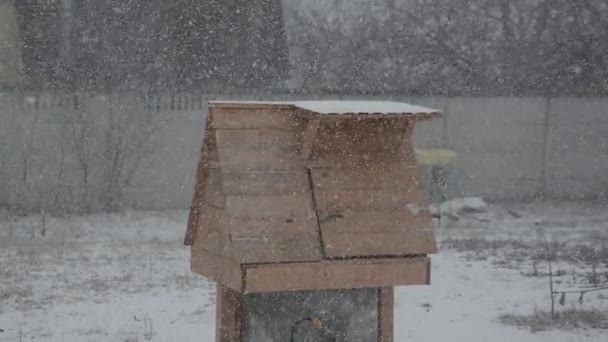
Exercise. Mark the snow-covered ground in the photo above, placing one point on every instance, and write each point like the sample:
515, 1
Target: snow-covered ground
126, 277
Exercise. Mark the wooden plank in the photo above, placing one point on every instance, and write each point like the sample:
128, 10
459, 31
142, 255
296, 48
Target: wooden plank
217, 268
207, 157
270, 240
213, 236
260, 240
336, 141
291, 206
279, 248
268, 226
375, 222
213, 192
349, 244
359, 141
258, 140
360, 123
386, 314
332, 275
254, 118
390, 199
380, 176
264, 183
373, 233
261, 160
309, 138
228, 308
368, 159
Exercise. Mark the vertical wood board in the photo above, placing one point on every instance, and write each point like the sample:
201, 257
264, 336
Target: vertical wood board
386, 314
207, 157
228, 320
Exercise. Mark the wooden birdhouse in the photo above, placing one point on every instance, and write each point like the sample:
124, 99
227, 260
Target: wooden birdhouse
307, 214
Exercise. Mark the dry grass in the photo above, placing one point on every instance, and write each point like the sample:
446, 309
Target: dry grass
566, 320
536, 250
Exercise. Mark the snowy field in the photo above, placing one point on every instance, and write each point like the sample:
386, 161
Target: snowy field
126, 277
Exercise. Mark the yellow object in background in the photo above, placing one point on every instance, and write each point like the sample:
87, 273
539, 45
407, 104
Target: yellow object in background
435, 157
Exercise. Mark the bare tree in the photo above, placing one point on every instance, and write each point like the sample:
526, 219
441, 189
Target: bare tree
129, 134
81, 143
485, 47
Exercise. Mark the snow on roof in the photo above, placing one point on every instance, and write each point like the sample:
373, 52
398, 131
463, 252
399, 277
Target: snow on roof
343, 107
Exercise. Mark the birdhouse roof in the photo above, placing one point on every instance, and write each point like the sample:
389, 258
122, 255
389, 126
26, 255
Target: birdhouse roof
286, 190
331, 107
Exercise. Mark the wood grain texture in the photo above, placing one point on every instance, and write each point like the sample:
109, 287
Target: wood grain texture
360, 141
264, 183
258, 140
373, 233
207, 157
217, 268
210, 234
272, 240
364, 177
309, 138
279, 248
347, 245
288, 206
386, 314
391, 199
377, 222
228, 307
270, 118
336, 274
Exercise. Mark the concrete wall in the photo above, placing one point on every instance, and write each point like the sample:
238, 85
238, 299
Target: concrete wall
508, 148
513, 148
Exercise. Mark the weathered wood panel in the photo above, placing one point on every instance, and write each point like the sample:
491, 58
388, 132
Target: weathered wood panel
253, 118
261, 239
213, 192
289, 206
259, 150
376, 222
210, 234
264, 183
352, 244
258, 140
336, 275
282, 247
207, 157
370, 233
342, 141
245, 227
228, 308
271, 240
217, 268
392, 199
378, 176
386, 314
260, 161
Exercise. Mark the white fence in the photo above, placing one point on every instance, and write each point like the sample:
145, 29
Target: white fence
141, 151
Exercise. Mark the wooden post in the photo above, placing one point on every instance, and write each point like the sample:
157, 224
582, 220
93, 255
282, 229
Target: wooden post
228, 315
386, 307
